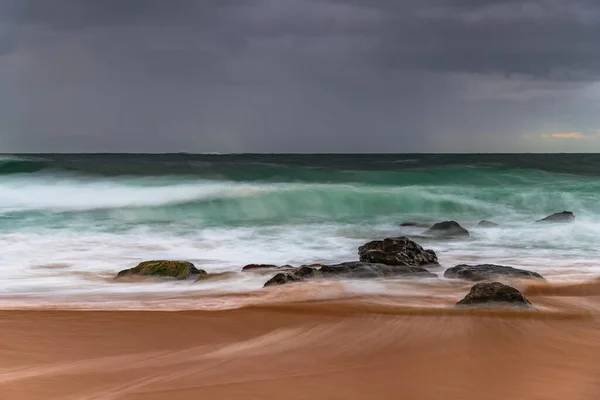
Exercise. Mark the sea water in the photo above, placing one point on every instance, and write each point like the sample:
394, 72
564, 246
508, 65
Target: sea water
69, 223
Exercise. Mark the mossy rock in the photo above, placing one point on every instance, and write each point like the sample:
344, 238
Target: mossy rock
162, 268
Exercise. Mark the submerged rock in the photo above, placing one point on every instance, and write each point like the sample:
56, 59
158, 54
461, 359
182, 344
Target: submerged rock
349, 270
396, 251
251, 267
487, 224
414, 224
358, 269
494, 293
298, 275
565, 216
447, 229
216, 277
163, 268
487, 272
281, 279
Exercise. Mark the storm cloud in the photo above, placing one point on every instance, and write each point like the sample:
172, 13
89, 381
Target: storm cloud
299, 75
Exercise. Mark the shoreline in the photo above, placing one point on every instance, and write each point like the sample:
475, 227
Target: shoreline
412, 294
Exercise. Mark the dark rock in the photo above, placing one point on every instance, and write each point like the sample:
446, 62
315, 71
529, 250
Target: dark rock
361, 270
487, 224
565, 216
447, 229
494, 293
306, 272
311, 265
282, 278
297, 275
487, 272
414, 224
162, 268
349, 270
250, 267
396, 251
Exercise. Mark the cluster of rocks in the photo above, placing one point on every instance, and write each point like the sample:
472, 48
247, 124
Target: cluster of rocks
377, 259
390, 257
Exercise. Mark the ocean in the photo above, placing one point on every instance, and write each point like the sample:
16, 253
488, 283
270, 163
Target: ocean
70, 222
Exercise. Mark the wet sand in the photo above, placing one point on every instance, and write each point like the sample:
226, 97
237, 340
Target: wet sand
313, 350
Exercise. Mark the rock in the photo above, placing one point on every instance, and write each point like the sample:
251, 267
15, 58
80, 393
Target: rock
350, 270
297, 275
487, 272
414, 224
310, 265
396, 251
216, 277
250, 267
565, 216
162, 268
305, 272
281, 279
494, 293
447, 229
371, 270
487, 224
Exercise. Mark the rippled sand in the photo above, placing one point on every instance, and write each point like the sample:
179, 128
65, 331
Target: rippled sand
354, 348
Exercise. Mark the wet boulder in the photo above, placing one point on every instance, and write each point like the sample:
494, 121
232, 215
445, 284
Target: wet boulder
486, 272
165, 269
447, 229
561, 217
298, 275
494, 294
413, 224
396, 251
306, 272
487, 224
362, 270
259, 267
282, 279
220, 276
349, 270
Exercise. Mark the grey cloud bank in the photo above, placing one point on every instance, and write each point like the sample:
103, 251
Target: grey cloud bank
299, 75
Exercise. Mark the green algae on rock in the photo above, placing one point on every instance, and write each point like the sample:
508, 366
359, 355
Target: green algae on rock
163, 268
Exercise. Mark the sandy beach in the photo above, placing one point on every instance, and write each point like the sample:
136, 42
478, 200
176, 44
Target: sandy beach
311, 350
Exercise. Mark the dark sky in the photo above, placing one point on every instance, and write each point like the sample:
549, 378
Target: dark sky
299, 75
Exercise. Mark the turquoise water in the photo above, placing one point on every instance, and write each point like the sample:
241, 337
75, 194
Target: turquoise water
69, 222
